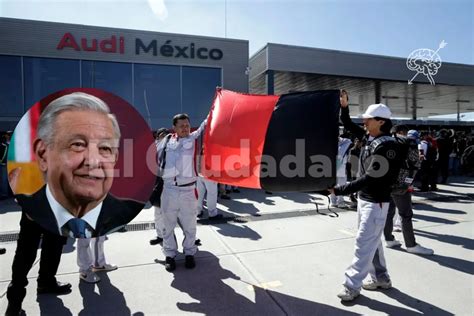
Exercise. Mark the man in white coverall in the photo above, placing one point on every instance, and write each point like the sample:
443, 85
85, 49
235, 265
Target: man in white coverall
177, 156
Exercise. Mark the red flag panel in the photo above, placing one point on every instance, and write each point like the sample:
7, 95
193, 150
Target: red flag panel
234, 138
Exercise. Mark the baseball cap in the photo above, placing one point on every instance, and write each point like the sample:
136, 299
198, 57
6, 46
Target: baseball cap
377, 110
413, 134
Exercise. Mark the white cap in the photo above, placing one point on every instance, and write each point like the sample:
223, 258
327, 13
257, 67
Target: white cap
377, 110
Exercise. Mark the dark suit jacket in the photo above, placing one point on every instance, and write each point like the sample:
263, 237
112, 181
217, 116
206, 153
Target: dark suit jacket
114, 213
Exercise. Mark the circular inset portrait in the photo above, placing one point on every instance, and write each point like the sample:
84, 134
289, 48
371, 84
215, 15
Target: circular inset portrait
77, 163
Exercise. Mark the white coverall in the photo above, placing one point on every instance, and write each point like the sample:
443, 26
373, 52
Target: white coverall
158, 221
90, 252
179, 198
207, 186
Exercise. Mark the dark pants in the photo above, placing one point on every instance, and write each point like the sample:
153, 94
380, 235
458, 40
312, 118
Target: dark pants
443, 164
4, 186
428, 175
403, 203
28, 242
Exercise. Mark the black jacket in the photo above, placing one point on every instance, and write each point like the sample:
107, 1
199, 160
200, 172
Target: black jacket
114, 213
378, 169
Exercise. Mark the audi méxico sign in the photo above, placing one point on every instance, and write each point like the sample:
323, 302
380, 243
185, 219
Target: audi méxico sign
116, 45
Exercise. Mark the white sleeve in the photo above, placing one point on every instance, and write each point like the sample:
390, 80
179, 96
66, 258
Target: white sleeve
200, 130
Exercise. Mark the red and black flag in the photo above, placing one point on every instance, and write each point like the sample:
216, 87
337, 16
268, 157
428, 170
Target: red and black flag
277, 143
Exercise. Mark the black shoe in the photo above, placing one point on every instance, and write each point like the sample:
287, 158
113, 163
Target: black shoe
200, 214
170, 264
268, 192
218, 216
197, 242
433, 189
225, 197
353, 199
189, 262
156, 241
57, 288
235, 190
14, 310
2, 251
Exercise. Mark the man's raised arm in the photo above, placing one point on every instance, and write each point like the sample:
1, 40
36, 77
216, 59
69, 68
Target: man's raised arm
355, 129
201, 128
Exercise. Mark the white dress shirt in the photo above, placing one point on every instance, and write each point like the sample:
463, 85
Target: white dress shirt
63, 216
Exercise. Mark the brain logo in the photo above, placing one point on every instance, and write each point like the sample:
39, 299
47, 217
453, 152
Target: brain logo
425, 61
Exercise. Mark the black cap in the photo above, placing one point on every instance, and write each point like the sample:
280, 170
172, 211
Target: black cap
161, 131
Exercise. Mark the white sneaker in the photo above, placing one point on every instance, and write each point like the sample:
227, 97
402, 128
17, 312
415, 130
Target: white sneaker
372, 284
397, 229
392, 243
89, 276
420, 250
106, 267
348, 294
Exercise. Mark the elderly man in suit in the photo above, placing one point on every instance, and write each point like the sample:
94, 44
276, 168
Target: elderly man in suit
76, 149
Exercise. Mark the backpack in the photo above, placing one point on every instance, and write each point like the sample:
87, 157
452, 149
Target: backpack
162, 157
155, 198
371, 149
410, 164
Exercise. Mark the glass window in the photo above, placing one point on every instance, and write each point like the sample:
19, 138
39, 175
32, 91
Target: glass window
44, 76
11, 101
157, 93
199, 86
110, 76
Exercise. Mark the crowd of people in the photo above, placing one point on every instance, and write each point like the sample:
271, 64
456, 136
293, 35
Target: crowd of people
442, 153
179, 194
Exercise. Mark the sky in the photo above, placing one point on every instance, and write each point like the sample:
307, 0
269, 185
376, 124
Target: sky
382, 27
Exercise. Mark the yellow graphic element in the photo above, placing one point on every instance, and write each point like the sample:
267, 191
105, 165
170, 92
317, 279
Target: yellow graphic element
30, 179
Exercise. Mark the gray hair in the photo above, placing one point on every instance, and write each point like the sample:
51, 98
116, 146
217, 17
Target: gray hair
75, 101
